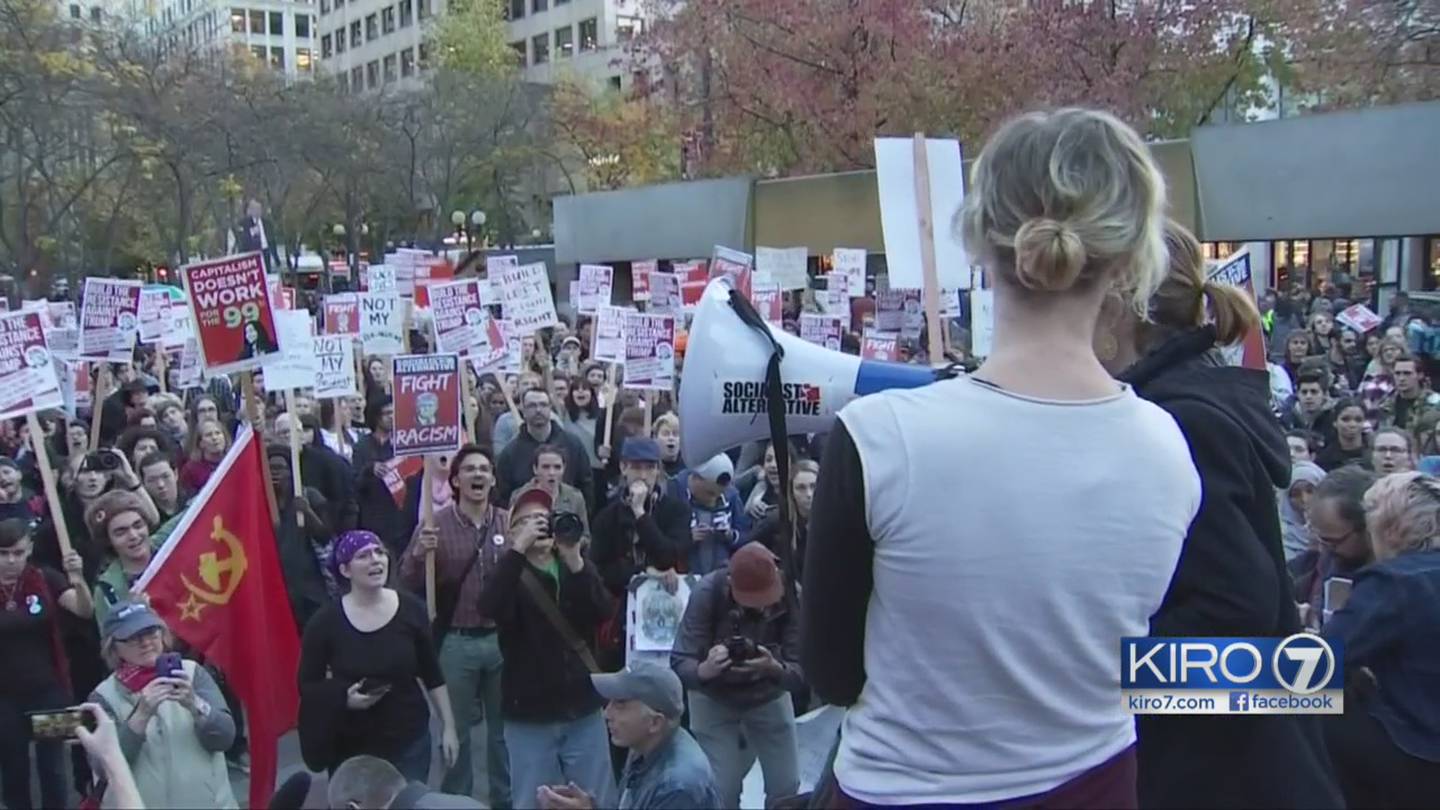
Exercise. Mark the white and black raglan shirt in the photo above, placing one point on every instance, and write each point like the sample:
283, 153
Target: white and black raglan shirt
975, 557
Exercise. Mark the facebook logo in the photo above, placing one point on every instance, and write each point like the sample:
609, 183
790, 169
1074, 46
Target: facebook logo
1239, 701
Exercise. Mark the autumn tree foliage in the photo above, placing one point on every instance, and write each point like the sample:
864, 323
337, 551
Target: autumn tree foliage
1348, 53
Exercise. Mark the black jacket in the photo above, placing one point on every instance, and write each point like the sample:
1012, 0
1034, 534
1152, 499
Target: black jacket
543, 679
329, 472
378, 511
622, 546
1231, 580
712, 617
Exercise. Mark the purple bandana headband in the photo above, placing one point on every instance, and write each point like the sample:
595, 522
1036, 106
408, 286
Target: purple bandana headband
348, 545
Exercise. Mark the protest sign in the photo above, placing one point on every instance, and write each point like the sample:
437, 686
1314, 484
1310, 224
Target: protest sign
382, 323
880, 346
610, 335
899, 211
950, 304
60, 315
489, 293
737, 265
495, 264
64, 343
178, 327
914, 321
526, 298
665, 292
335, 366
597, 282
768, 300
649, 351
788, 267
154, 314
1249, 352
342, 314
849, 263
457, 316
381, 278
29, 378
429, 271
982, 321
109, 318
294, 367
427, 404
693, 278
890, 310
1359, 318
497, 352
640, 279
822, 330
231, 310
835, 302
74, 384
187, 371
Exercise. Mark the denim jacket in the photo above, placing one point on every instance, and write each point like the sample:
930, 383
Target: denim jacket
727, 519
676, 776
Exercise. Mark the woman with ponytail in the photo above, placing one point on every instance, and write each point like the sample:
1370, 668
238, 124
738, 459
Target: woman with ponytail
1231, 579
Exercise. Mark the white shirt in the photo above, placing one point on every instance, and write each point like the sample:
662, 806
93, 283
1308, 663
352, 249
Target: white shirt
1016, 541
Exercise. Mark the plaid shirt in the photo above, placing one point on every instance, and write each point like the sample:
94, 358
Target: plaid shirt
458, 542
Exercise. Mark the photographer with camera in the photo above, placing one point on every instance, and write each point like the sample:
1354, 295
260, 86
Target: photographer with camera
738, 653
547, 599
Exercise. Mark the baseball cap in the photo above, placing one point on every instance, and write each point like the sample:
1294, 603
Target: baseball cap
640, 449
718, 470
533, 495
129, 619
754, 577
656, 686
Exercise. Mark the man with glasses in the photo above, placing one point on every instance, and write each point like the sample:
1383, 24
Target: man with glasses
1337, 520
516, 464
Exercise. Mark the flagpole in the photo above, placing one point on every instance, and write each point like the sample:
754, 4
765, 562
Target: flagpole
427, 519
927, 249
47, 478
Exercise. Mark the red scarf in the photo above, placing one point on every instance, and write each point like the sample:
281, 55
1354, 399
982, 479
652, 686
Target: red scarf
32, 583
133, 677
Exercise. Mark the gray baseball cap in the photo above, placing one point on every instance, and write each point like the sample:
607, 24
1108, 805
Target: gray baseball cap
656, 686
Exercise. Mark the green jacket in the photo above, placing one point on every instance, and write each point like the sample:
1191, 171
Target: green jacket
1426, 402
112, 586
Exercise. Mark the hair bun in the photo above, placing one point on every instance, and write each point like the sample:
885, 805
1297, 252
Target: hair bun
1049, 255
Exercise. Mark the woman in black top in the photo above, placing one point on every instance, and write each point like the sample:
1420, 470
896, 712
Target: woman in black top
1348, 445
359, 661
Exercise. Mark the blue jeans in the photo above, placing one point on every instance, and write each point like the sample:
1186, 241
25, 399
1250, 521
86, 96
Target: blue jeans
472, 665
15, 751
558, 753
734, 738
414, 760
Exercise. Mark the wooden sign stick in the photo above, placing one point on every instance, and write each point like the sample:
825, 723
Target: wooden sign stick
927, 250
160, 367
610, 406
427, 519
253, 411
297, 486
467, 373
47, 478
101, 391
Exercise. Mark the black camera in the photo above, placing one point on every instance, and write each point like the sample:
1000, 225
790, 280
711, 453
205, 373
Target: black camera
566, 528
102, 461
741, 649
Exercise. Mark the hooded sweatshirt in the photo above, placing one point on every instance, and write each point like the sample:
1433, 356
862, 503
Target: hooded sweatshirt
1297, 538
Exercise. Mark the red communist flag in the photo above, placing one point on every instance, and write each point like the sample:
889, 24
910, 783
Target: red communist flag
217, 583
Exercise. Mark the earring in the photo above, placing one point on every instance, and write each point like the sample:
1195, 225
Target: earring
1106, 347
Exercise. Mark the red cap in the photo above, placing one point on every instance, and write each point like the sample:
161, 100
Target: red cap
754, 577
533, 495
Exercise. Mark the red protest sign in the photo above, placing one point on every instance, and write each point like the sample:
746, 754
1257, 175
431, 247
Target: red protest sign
459, 318
427, 403
230, 308
109, 318
342, 314
28, 377
767, 298
693, 278
736, 265
640, 279
880, 346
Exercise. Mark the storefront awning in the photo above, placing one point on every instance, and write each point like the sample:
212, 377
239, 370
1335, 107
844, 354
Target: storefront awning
1370, 172
669, 221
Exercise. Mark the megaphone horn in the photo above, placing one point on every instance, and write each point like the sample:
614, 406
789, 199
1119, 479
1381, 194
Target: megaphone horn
725, 399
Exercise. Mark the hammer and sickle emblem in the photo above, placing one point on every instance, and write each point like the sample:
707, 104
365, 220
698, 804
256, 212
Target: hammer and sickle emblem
220, 576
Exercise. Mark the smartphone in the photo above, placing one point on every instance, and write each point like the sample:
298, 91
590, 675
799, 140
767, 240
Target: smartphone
1336, 594
372, 685
169, 665
58, 724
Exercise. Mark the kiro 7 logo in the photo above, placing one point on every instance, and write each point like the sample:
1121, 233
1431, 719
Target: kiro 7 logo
1297, 663
1301, 664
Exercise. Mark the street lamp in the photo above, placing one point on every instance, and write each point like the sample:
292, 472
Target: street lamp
477, 221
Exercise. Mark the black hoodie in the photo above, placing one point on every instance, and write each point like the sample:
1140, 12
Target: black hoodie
1231, 580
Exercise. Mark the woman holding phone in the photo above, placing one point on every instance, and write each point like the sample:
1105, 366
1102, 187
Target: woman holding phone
174, 725
362, 659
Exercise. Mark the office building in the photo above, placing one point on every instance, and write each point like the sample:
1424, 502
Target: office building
278, 33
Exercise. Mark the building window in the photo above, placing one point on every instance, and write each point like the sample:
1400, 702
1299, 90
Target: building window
74, 11
302, 60
258, 51
237, 20
343, 82
390, 68
517, 9
540, 48
339, 4
277, 24
614, 82
424, 7
339, 40
564, 42
302, 26
257, 22
589, 34
407, 63
627, 28
356, 36
424, 56
537, 6
95, 14
387, 20
325, 9
519, 52
357, 78
372, 74
407, 13
372, 27
325, 49
277, 58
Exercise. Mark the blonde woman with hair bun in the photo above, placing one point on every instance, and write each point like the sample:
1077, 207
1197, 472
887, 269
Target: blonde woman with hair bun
978, 547
1386, 746
1232, 579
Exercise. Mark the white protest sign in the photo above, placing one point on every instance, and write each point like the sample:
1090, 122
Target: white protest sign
458, 316
982, 321
296, 366
154, 314
890, 310
179, 329
836, 303
597, 282
822, 330
382, 323
187, 373
526, 298
850, 264
335, 366
29, 378
787, 267
383, 278
649, 351
109, 318
1359, 318
496, 351
899, 212
664, 292
494, 264
610, 335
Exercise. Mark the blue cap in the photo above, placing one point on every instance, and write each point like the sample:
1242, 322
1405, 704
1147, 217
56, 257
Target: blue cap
640, 449
129, 619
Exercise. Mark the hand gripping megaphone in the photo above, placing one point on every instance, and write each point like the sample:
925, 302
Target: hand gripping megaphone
744, 380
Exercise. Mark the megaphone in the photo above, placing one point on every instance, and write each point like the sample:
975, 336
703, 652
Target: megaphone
725, 397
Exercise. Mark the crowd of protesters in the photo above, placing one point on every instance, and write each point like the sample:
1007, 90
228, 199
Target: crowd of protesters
954, 569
